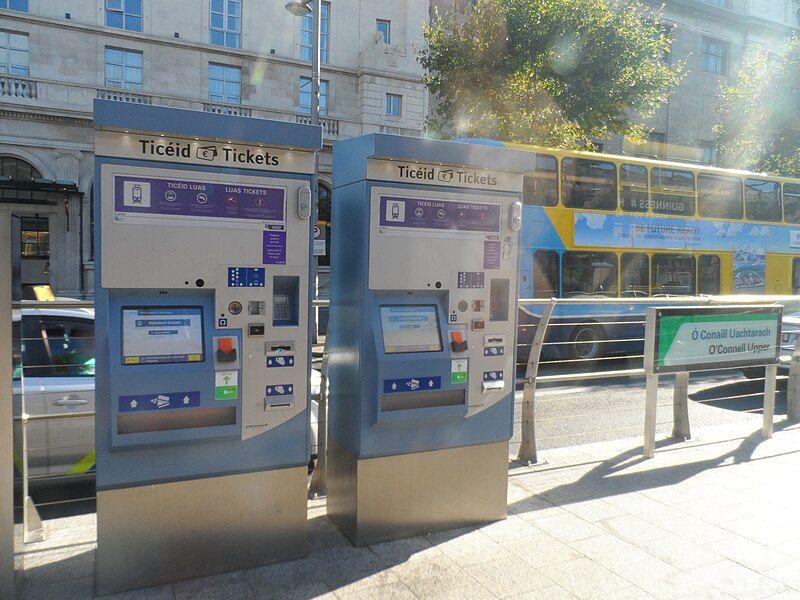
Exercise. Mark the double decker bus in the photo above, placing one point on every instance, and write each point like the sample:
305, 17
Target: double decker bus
605, 226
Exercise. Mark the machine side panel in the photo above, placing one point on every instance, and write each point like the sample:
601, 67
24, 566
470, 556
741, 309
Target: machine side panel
349, 255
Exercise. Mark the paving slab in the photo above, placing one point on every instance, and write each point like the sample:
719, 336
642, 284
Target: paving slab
713, 518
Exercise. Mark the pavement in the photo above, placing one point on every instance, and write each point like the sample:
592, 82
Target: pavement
713, 518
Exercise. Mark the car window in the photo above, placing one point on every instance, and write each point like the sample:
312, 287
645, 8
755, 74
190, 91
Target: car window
16, 355
57, 346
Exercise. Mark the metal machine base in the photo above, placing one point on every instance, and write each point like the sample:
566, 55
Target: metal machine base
157, 534
378, 499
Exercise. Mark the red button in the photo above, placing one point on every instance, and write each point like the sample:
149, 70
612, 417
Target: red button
226, 344
456, 335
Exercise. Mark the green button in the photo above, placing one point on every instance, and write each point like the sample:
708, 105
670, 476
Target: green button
227, 392
458, 377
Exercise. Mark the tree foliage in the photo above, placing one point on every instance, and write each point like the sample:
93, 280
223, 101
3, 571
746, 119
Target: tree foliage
759, 117
551, 72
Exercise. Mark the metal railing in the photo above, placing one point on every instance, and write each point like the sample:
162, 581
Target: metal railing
613, 316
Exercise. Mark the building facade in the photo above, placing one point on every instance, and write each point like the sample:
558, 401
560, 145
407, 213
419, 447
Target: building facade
240, 57
253, 58
712, 38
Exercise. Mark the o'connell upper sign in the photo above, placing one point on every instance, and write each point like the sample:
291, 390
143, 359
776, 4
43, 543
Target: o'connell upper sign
700, 338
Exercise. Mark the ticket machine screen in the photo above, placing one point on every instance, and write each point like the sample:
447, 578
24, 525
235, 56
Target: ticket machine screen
162, 334
410, 328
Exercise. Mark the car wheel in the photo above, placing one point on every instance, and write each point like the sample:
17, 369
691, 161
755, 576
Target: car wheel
587, 342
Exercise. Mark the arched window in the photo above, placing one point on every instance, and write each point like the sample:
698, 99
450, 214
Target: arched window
16, 168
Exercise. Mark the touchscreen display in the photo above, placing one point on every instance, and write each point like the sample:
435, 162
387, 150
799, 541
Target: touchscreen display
410, 328
162, 334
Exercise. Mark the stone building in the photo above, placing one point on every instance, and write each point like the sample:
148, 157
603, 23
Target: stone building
240, 57
252, 57
712, 37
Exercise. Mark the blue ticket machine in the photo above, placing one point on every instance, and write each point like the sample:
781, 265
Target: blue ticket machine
422, 334
203, 239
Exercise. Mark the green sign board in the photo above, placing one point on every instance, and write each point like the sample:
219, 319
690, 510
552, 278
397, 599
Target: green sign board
711, 337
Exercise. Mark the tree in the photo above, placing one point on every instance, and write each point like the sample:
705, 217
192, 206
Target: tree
759, 117
552, 72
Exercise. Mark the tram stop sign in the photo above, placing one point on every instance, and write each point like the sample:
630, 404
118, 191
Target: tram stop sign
319, 239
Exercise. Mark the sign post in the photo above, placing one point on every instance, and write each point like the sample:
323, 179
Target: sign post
704, 338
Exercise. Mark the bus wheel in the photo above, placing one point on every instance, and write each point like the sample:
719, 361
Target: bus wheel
587, 342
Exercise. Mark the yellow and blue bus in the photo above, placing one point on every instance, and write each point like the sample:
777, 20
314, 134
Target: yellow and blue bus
625, 227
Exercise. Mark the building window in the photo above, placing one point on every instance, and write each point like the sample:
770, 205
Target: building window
14, 53
709, 152
20, 5
720, 3
394, 105
124, 14
224, 84
714, 56
657, 142
305, 96
385, 27
226, 23
123, 69
16, 168
307, 35
35, 237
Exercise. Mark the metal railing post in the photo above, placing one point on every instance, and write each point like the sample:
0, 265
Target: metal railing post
527, 446
319, 478
7, 550
793, 386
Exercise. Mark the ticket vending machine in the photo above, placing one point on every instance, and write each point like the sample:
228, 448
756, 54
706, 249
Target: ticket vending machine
203, 239
422, 334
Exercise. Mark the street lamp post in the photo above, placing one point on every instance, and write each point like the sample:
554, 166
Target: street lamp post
301, 8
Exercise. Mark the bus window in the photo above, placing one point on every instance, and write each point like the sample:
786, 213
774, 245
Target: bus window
589, 273
635, 275
672, 191
545, 274
791, 202
719, 196
708, 275
673, 274
588, 183
541, 188
633, 183
762, 200
795, 276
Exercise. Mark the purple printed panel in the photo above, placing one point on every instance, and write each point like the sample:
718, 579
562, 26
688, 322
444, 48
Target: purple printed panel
274, 247
420, 213
143, 195
491, 254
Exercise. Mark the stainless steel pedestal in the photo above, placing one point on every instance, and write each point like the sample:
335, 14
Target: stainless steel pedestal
378, 499
156, 534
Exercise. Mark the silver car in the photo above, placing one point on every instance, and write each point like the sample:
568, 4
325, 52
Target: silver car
55, 365
57, 351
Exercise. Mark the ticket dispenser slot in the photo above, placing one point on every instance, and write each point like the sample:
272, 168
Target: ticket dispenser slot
203, 342
425, 236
